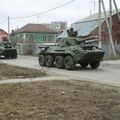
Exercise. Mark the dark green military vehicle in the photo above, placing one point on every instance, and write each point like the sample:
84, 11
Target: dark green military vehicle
72, 51
7, 50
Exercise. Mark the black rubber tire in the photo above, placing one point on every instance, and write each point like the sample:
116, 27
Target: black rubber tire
49, 61
84, 65
41, 59
95, 64
69, 62
6, 57
14, 56
59, 61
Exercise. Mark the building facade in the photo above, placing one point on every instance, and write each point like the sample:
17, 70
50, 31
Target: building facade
89, 27
31, 36
57, 26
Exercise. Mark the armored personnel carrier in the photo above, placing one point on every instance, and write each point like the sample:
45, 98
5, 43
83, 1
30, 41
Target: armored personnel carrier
71, 51
7, 50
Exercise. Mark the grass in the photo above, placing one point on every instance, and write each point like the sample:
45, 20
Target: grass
59, 100
55, 100
10, 72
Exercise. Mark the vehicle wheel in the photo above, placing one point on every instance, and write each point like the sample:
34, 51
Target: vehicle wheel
69, 62
6, 57
84, 65
59, 61
14, 56
49, 61
95, 65
41, 60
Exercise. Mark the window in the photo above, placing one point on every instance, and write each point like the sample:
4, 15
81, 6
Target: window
44, 38
39, 39
50, 38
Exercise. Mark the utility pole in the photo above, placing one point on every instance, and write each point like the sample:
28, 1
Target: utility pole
8, 25
117, 10
90, 12
110, 20
38, 19
110, 23
109, 31
94, 5
99, 31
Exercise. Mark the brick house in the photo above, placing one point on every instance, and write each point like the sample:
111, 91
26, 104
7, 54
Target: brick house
89, 27
3, 34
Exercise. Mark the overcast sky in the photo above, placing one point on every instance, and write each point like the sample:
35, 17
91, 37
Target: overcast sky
71, 12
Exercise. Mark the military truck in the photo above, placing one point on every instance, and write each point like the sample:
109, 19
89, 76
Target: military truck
7, 50
71, 51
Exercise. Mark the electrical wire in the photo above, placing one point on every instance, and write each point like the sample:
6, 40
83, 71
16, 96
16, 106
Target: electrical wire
52, 9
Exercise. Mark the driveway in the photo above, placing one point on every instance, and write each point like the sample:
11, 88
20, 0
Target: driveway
107, 73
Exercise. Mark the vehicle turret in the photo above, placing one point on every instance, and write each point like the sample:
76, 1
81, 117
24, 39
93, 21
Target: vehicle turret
7, 50
71, 51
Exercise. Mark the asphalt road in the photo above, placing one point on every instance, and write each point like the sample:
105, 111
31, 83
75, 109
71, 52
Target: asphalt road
107, 73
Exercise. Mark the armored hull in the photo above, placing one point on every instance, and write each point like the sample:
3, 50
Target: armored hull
70, 52
7, 50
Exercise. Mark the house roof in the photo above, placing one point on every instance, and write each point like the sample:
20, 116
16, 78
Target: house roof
86, 25
96, 16
36, 28
3, 34
83, 28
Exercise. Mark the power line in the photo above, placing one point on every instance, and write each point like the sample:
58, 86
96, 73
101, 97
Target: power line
44, 11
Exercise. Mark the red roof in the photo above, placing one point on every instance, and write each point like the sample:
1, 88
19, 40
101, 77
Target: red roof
36, 28
3, 34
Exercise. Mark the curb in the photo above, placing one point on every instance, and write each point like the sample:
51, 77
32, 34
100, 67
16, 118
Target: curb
111, 65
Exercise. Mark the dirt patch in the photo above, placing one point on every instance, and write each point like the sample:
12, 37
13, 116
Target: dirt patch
59, 100
10, 72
